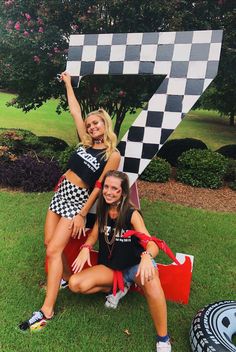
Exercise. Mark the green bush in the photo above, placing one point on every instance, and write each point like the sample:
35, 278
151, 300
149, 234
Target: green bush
158, 170
229, 151
64, 156
202, 168
173, 148
232, 185
19, 141
53, 143
230, 174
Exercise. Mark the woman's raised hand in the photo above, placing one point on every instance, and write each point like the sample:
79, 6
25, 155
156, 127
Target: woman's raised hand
65, 77
77, 225
82, 258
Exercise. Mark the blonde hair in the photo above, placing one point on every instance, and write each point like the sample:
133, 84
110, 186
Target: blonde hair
110, 139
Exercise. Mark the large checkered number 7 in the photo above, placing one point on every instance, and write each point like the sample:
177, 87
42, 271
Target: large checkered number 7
188, 60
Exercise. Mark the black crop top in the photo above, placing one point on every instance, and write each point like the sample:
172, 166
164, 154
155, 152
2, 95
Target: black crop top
124, 252
88, 164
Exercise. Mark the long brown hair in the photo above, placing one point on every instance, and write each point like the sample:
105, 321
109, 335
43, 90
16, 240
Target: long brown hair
123, 207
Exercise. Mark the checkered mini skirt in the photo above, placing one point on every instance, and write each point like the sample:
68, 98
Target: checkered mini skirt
69, 199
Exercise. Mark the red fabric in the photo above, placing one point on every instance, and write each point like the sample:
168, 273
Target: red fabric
144, 239
98, 184
118, 281
59, 183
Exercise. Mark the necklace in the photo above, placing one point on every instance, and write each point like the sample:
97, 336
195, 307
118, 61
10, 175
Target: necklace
110, 243
98, 141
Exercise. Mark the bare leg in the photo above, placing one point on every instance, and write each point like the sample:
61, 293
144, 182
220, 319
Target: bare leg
55, 266
52, 220
98, 278
156, 302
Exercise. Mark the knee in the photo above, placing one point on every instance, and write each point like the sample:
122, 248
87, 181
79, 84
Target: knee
52, 251
76, 284
153, 289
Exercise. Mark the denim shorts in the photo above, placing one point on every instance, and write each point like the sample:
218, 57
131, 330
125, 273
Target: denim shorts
129, 274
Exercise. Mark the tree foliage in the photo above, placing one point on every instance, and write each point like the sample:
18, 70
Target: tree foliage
34, 43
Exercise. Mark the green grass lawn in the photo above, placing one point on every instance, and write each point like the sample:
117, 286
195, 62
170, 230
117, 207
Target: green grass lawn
82, 323
201, 124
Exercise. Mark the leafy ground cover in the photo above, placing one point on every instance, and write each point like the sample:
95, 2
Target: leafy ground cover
82, 323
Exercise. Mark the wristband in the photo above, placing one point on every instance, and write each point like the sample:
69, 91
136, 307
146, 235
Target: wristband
146, 253
86, 246
98, 184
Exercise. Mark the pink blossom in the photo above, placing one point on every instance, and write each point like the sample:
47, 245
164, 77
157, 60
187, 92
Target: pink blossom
122, 93
66, 51
40, 21
28, 17
74, 27
17, 26
56, 50
26, 34
41, 30
36, 59
95, 89
8, 3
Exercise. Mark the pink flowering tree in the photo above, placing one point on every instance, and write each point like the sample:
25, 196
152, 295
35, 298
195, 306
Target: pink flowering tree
34, 43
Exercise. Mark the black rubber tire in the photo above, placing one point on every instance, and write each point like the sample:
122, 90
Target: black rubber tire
213, 327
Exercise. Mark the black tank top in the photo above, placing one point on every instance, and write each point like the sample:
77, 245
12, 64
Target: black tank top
88, 164
124, 252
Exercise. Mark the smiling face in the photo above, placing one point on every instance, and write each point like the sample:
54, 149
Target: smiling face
95, 126
112, 190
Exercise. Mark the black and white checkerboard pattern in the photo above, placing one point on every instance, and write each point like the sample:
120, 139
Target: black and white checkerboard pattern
188, 60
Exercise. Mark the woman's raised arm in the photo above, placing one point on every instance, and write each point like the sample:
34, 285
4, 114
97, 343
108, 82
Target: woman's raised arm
74, 105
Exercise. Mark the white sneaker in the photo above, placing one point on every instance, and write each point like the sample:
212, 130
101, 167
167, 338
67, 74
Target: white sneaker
163, 346
112, 301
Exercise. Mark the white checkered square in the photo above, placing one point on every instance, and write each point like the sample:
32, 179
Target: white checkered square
134, 38
176, 86
89, 53
181, 52
197, 69
134, 150
131, 67
162, 68
152, 135
101, 67
148, 52
117, 53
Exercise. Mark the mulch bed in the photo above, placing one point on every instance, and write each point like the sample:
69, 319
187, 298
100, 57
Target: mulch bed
223, 199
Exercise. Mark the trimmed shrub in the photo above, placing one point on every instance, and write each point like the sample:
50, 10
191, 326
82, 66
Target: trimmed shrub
30, 173
158, 170
229, 151
53, 143
230, 174
19, 141
173, 148
64, 156
202, 168
232, 185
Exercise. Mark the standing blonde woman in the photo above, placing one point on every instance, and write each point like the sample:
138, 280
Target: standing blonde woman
76, 192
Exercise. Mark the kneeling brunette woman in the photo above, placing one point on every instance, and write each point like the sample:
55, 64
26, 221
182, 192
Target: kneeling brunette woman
121, 254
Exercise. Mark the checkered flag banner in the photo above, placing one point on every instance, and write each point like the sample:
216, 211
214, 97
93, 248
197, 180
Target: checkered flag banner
188, 60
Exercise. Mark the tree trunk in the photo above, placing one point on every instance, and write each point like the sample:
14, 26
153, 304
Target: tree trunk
119, 119
231, 118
